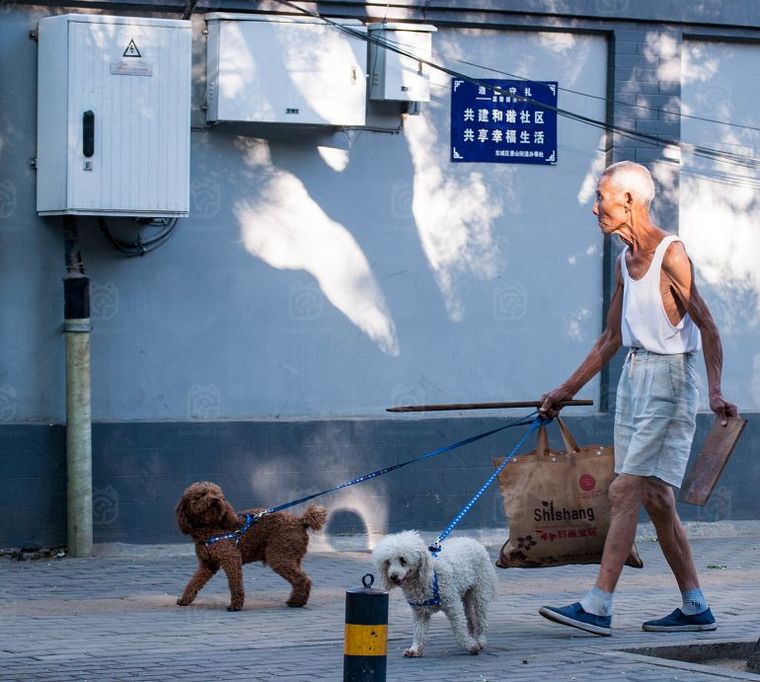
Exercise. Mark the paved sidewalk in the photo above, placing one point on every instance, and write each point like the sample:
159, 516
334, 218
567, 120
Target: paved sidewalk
115, 618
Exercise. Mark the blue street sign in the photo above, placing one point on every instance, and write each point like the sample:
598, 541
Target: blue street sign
503, 121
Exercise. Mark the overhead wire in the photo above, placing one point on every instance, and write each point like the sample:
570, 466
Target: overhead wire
646, 107
701, 151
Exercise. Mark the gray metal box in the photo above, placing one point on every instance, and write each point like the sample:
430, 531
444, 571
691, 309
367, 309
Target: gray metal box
286, 70
113, 116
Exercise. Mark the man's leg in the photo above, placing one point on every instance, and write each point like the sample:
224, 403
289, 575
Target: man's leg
627, 493
694, 615
660, 504
593, 613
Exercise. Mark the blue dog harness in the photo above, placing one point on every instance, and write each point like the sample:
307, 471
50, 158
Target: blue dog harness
235, 534
435, 600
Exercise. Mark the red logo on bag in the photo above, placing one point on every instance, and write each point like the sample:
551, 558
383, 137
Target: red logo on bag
587, 483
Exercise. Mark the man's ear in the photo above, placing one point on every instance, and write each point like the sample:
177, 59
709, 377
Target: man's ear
628, 201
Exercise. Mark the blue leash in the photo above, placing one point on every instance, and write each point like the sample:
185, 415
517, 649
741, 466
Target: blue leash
252, 518
536, 423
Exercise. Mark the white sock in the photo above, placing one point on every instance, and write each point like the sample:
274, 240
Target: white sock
597, 602
693, 602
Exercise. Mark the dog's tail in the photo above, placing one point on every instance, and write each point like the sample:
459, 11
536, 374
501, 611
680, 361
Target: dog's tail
314, 517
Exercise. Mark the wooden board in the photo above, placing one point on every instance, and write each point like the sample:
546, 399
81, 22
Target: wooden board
708, 466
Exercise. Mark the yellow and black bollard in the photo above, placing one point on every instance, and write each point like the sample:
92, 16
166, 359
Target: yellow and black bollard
366, 644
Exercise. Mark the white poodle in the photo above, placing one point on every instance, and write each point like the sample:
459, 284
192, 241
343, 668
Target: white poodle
460, 581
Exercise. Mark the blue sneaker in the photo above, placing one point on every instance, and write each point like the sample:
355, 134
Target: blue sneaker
678, 621
575, 616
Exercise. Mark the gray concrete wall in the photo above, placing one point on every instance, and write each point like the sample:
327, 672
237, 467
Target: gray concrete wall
719, 200
326, 275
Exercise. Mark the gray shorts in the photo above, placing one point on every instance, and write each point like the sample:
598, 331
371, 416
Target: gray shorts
655, 415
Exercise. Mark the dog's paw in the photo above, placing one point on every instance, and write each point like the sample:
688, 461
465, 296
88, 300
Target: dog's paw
475, 649
234, 607
183, 601
296, 603
411, 652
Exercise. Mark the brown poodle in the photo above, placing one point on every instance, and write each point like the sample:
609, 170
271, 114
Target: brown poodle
279, 540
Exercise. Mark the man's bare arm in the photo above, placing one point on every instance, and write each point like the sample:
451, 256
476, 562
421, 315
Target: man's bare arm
602, 352
678, 268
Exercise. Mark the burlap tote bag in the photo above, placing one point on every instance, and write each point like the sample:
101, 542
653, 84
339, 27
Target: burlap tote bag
557, 505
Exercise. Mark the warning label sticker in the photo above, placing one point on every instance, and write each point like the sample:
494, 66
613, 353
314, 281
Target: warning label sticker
131, 50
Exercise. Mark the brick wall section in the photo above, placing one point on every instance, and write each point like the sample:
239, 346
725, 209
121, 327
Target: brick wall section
646, 88
645, 91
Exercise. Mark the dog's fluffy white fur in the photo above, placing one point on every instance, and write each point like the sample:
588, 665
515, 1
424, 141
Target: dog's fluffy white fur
466, 585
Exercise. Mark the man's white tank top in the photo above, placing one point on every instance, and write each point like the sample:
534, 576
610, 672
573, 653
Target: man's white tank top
645, 323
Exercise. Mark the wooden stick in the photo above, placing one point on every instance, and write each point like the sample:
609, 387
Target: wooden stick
481, 406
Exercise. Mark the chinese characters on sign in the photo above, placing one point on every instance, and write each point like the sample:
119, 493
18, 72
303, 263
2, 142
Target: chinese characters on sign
500, 121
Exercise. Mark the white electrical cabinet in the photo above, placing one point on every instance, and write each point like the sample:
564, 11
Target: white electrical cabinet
274, 69
396, 76
113, 116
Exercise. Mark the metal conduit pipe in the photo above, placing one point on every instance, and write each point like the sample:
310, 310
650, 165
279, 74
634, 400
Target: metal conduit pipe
76, 329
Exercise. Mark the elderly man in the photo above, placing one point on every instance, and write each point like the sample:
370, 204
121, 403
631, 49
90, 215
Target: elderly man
658, 314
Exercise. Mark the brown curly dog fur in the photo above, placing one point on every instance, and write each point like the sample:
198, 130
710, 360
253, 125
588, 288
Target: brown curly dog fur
278, 540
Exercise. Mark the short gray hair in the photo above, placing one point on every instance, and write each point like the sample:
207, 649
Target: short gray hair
632, 177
